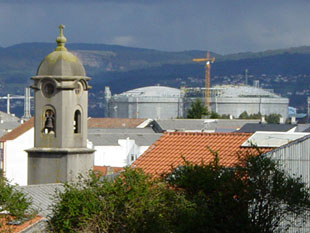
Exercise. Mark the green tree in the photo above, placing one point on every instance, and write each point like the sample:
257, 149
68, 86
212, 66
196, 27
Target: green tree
132, 202
273, 195
214, 189
273, 118
254, 196
14, 202
244, 115
225, 116
255, 116
215, 115
197, 110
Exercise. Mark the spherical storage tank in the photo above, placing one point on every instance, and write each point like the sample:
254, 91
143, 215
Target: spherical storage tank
156, 102
233, 100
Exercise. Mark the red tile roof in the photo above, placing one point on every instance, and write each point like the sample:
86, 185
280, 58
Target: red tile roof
17, 228
18, 130
169, 149
114, 122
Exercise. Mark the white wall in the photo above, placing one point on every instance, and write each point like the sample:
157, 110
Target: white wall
295, 159
16, 158
118, 156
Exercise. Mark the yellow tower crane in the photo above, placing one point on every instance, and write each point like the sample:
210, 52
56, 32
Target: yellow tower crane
208, 61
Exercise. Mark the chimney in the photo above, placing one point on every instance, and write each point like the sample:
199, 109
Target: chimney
293, 120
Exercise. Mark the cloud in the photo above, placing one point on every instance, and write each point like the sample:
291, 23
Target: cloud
123, 40
222, 26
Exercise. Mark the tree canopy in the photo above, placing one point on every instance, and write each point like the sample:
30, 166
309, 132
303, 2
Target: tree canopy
253, 196
273, 118
197, 110
132, 202
13, 202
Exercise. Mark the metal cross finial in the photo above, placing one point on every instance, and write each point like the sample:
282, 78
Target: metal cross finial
61, 27
61, 39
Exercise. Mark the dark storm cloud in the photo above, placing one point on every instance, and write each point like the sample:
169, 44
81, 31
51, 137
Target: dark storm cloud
221, 26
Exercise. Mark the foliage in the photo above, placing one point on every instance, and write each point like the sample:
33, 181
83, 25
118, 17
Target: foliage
273, 118
14, 202
214, 189
215, 115
225, 116
255, 116
273, 195
255, 196
131, 203
245, 115
197, 110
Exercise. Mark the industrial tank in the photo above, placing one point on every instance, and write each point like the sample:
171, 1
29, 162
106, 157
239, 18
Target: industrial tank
234, 100
156, 102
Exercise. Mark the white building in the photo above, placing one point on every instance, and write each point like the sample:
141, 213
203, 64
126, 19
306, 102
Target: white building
14, 157
120, 147
115, 147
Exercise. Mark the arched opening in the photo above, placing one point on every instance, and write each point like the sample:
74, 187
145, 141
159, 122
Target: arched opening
77, 122
49, 122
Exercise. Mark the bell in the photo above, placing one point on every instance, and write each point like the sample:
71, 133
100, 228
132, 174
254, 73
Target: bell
49, 123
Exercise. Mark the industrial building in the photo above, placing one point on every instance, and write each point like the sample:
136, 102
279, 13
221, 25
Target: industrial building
234, 100
156, 102
159, 102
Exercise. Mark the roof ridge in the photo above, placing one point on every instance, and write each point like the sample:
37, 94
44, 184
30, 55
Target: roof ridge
207, 133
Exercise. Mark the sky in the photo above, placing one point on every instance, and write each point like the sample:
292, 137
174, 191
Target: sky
221, 26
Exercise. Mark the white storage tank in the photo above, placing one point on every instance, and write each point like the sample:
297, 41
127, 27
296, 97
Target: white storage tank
156, 102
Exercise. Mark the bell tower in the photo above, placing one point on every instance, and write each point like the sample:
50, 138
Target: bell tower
60, 121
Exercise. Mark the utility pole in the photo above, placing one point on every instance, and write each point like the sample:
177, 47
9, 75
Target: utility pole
208, 61
26, 99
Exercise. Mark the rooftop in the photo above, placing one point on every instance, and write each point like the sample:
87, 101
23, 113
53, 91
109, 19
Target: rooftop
171, 148
115, 122
272, 139
18, 130
243, 91
196, 125
253, 127
110, 137
42, 196
61, 62
23, 227
153, 91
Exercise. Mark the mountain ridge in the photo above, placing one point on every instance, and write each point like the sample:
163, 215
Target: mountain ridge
124, 68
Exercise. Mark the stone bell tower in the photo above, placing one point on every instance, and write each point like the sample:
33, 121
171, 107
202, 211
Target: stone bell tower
60, 120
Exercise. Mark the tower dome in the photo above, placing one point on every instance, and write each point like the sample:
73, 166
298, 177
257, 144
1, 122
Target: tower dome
61, 62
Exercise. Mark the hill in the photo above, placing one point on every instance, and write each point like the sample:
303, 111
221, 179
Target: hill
123, 68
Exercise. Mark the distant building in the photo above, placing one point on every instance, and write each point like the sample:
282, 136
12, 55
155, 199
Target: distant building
234, 100
156, 102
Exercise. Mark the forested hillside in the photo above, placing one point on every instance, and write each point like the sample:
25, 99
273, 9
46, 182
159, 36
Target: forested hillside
123, 68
